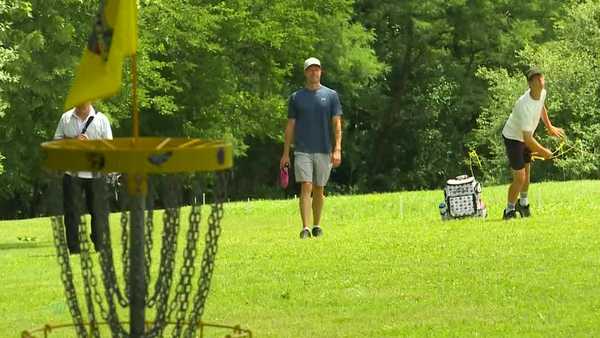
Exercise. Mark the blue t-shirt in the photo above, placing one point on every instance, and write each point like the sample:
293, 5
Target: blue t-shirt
313, 111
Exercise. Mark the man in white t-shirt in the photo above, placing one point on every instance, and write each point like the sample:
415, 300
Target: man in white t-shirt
520, 143
83, 123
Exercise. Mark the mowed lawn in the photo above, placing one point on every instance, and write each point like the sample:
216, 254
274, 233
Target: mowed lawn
387, 266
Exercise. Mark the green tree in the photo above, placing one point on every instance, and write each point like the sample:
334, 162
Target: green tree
412, 128
41, 35
7, 55
208, 69
225, 69
570, 64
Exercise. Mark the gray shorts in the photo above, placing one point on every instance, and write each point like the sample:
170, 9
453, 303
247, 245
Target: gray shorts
315, 168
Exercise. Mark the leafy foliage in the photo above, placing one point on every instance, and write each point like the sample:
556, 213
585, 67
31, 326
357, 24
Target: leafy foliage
207, 69
412, 129
421, 83
570, 64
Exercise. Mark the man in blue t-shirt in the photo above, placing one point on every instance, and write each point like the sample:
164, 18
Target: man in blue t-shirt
314, 115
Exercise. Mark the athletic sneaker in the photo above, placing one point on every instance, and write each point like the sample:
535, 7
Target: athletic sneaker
317, 231
523, 210
509, 214
305, 233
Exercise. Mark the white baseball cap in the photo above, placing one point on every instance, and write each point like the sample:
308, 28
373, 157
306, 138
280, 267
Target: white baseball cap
311, 61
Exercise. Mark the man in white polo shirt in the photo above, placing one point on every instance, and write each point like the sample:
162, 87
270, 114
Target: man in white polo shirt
83, 123
520, 143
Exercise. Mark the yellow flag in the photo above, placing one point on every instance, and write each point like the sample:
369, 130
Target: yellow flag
113, 37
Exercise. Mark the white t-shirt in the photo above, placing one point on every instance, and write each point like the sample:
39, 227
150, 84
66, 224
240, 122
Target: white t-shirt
70, 126
525, 116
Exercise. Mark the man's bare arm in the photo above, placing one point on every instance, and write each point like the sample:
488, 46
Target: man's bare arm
336, 156
552, 130
535, 146
289, 137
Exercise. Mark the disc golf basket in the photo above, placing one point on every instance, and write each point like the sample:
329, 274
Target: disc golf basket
139, 299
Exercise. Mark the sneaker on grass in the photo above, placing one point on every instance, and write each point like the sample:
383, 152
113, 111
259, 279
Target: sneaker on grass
317, 231
523, 210
305, 233
509, 214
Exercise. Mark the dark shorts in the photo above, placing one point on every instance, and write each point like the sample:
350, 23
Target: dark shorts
517, 152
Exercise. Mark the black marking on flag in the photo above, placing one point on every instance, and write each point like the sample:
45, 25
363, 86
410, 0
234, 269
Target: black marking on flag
100, 39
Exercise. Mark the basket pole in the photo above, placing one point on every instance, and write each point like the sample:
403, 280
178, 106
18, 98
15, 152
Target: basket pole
137, 271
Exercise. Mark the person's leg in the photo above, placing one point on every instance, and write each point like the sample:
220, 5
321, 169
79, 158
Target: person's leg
523, 203
88, 190
525, 187
97, 203
71, 212
318, 198
322, 172
523, 198
303, 172
515, 152
519, 178
305, 203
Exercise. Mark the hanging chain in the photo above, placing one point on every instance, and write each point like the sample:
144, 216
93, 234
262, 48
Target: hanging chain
171, 221
108, 270
109, 278
148, 243
124, 220
165, 308
167, 254
89, 280
184, 288
111, 288
210, 252
66, 275
148, 235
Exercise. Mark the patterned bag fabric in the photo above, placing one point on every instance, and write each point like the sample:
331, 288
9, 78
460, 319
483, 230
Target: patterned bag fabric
463, 198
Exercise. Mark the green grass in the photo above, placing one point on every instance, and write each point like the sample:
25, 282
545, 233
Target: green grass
386, 267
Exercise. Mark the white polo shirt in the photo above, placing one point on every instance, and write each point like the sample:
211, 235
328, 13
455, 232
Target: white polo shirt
70, 126
525, 116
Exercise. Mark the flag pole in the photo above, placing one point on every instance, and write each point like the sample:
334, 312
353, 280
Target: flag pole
136, 113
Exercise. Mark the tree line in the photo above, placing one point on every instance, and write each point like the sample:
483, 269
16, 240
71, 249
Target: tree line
421, 83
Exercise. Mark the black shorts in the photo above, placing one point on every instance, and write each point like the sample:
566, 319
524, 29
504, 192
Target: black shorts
517, 152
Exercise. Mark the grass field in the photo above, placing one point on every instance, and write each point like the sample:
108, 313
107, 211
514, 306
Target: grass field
386, 267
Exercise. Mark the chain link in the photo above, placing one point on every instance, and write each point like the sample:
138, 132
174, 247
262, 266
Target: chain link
171, 221
100, 209
148, 243
210, 252
109, 275
171, 226
112, 290
165, 307
89, 280
66, 275
125, 245
184, 287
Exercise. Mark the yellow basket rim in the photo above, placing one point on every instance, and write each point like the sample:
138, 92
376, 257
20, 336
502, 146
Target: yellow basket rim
138, 155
